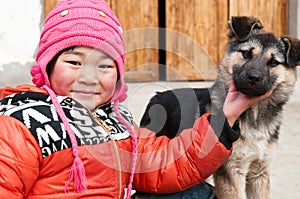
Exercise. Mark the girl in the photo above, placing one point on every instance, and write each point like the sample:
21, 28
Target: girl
68, 137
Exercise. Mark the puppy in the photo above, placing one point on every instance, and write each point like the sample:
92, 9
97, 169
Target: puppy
257, 61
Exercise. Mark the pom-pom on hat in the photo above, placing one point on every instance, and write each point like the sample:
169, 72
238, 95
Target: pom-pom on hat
89, 23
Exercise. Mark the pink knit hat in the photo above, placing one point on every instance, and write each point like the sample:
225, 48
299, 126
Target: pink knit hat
89, 23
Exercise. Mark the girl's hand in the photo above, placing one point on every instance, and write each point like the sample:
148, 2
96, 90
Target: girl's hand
236, 103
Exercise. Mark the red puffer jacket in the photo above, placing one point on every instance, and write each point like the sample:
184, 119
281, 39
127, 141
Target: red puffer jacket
35, 153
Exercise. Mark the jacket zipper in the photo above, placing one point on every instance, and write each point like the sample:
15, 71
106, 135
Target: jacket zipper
108, 129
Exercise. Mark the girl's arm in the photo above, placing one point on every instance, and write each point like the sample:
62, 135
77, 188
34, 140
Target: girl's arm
168, 165
19, 162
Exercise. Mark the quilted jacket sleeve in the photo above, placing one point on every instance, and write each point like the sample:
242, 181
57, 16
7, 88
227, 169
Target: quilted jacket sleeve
19, 158
166, 165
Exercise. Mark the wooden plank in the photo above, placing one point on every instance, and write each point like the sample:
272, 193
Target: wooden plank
272, 13
139, 19
197, 38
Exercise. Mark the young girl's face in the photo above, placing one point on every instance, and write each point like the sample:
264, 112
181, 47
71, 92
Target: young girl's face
85, 74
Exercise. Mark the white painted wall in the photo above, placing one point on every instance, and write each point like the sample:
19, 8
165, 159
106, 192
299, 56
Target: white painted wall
19, 35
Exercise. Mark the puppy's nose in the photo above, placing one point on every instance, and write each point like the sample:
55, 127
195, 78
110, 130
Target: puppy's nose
254, 77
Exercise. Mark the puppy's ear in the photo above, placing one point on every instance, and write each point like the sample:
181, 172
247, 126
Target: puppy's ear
292, 45
240, 28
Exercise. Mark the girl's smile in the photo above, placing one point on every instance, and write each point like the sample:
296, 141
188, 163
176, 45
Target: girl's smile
85, 93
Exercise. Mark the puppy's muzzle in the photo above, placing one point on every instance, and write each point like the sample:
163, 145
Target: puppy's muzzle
252, 81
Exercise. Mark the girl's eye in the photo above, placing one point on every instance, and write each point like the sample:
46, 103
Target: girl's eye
247, 54
273, 63
102, 67
75, 63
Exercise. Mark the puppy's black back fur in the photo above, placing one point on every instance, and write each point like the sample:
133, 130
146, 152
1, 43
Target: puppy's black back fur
179, 104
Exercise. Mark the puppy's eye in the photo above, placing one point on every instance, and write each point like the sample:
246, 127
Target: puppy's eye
273, 63
247, 54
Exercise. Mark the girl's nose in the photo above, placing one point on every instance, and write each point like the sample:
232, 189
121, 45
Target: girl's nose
88, 75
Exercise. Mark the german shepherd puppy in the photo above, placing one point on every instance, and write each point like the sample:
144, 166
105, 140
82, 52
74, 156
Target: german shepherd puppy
257, 61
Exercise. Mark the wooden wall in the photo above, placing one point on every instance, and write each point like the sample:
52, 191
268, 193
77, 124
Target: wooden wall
195, 30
